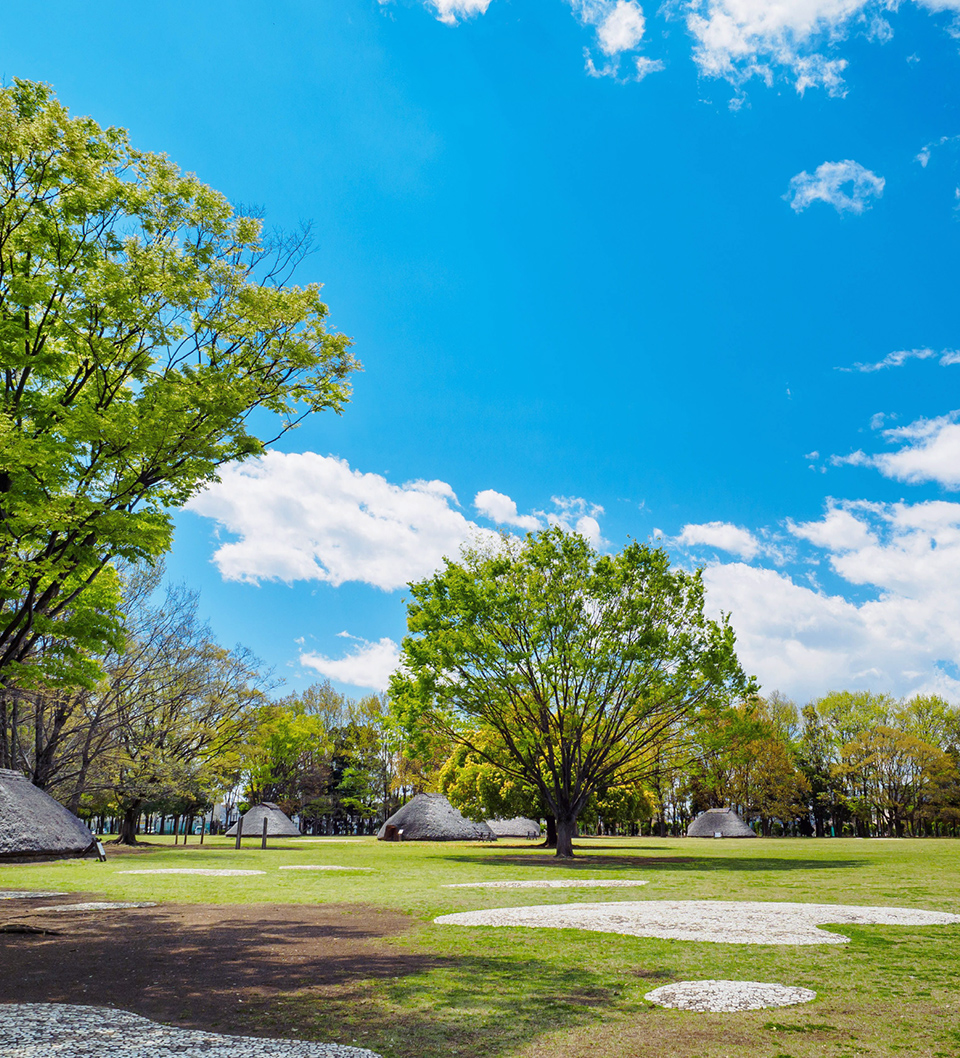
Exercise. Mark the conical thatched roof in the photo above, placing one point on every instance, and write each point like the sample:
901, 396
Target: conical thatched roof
279, 825
431, 817
723, 821
518, 827
35, 826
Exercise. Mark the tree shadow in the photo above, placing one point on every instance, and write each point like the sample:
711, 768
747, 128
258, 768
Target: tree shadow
333, 972
585, 861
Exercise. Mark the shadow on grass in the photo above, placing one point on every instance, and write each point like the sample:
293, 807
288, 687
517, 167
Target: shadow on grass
328, 972
467, 1005
585, 861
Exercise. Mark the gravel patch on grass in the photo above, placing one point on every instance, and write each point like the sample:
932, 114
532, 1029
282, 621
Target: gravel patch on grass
323, 867
194, 870
723, 996
548, 883
59, 1030
718, 921
28, 894
96, 905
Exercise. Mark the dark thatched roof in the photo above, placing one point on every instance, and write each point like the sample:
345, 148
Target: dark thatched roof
518, 827
723, 821
431, 817
279, 825
35, 826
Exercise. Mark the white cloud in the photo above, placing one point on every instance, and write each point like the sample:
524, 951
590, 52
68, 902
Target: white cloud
619, 26
838, 530
931, 452
722, 535
806, 641
576, 515
368, 665
449, 11
923, 157
645, 67
503, 510
846, 185
310, 517
946, 358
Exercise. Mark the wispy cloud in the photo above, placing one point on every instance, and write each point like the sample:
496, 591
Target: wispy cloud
946, 358
925, 152
846, 185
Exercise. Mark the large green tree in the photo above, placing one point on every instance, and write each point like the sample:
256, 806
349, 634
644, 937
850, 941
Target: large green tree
574, 664
143, 320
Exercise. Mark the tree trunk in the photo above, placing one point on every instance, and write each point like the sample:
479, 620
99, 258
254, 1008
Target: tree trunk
128, 826
566, 828
551, 840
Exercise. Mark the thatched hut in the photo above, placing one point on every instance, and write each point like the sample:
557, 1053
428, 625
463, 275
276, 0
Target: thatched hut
279, 825
518, 827
719, 823
431, 817
33, 826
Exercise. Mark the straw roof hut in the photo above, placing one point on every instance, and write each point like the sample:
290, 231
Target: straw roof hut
431, 817
518, 827
279, 825
719, 823
33, 826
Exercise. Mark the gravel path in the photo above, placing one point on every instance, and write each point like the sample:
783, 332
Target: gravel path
720, 921
323, 867
723, 996
194, 870
548, 883
57, 1030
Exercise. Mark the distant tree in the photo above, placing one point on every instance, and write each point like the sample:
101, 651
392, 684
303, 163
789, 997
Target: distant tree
177, 703
143, 321
575, 663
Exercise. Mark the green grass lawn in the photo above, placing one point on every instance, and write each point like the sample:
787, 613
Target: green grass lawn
538, 993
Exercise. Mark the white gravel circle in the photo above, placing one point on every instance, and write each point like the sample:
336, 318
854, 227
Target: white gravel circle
60, 1030
214, 872
28, 894
719, 921
322, 867
549, 883
97, 905
723, 996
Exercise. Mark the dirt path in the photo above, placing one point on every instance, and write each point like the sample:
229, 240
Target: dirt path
197, 965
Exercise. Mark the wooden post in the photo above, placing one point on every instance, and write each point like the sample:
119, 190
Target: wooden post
239, 831
263, 840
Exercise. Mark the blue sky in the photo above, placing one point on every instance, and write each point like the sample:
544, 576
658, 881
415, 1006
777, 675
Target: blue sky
685, 272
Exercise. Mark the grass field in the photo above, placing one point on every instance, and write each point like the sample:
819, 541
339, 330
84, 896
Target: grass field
572, 994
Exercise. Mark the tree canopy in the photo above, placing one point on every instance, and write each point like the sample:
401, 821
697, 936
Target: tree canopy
561, 666
142, 321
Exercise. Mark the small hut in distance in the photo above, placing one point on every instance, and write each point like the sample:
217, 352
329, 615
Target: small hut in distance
279, 825
518, 827
33, 826
719, 823
431, 817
